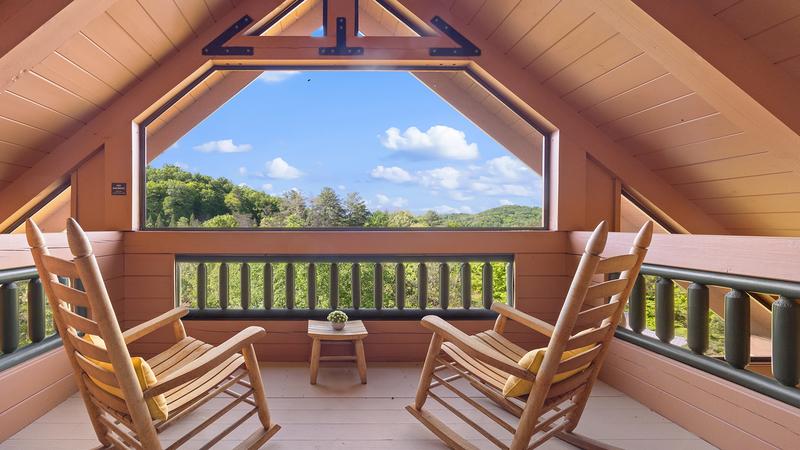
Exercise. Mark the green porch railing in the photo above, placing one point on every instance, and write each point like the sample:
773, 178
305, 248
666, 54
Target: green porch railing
785, 355
26, 328
364, 286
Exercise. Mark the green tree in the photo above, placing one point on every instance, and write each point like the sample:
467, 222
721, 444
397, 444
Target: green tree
222, 221
431, 219
356, 212
326, 210
378, 219
401, 219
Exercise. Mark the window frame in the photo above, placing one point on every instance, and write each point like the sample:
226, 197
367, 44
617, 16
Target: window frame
548, 137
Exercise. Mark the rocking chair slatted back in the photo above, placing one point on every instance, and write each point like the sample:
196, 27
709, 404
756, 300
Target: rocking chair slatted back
100, 321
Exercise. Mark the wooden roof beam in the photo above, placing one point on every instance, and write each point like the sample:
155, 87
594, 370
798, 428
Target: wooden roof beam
572, 127
711, 59
33, 30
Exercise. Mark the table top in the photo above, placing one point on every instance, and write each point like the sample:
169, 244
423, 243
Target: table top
353, 329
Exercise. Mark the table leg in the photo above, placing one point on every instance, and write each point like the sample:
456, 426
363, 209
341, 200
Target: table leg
315, 350
361, 360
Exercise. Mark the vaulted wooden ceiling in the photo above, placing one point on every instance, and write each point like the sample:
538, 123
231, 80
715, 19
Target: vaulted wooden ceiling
740, 174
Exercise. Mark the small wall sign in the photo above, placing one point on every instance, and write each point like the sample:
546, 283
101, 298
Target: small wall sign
119, 188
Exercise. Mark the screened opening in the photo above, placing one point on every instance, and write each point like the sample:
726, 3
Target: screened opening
343, 149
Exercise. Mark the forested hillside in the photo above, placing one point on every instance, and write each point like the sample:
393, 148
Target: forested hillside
179, 198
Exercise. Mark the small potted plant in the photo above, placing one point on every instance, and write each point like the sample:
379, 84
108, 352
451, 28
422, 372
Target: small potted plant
337, 319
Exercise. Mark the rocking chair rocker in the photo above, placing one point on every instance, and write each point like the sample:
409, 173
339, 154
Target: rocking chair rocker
546, 389
130, 400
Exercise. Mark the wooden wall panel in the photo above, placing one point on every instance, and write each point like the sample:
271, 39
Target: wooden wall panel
540, 281
718, 411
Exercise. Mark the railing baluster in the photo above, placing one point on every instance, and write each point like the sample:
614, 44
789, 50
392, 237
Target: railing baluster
202, 286
636, 305
312, 286
697, 318
223, 286
486, 285
422, 285
665, 310
245, 281
510, 284
786, 341
737, 328
36, 311
80, 310
9, 317
269, 286
400, 286
444, 285
466, 285
334, 287
378, 286
355, 284
289, 285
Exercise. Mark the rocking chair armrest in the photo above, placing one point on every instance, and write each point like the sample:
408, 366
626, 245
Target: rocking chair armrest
538, 325
207, 361
473, 347
154, 324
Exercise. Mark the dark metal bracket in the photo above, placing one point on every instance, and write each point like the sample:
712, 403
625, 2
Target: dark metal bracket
465, 46
217, 46
341, 48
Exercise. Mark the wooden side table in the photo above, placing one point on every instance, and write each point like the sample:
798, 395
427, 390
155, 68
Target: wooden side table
354, 331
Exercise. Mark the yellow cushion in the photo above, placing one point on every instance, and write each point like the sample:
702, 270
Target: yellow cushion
156, 405
532, 361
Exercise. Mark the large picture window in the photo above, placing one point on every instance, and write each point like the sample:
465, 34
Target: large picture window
343, 149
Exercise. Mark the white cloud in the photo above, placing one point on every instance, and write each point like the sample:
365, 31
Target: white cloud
439, 141
280, 169
517, 190
181, 165
243, 171
507, 168
460, 196
505, 202
444, 177
386, 201
394, 174
341, 187
447, 209
276, 76
266, 187
223, 146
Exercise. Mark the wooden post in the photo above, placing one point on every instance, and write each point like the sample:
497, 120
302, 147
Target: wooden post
223, 286
737, 328
510, 284
665, 310
269, 290
786, 341
312, 286
202, 286
466, 285
245, 285
400, 285
334, 287
444, 285
289, 285
422, 285
355, 284
378, 286
636, 305
36, 311
9, 317
487, 287
697, 318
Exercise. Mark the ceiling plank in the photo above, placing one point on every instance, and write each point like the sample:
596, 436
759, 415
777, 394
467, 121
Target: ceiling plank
544, 103
715, 62
39, 28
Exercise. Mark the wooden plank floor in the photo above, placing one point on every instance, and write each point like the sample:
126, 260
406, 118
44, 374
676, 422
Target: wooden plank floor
339, 412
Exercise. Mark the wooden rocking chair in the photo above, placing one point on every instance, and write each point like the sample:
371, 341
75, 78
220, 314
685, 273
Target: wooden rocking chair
559, 378
130, 400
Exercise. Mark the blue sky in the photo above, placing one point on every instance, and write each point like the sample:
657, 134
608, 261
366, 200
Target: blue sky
384, 135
